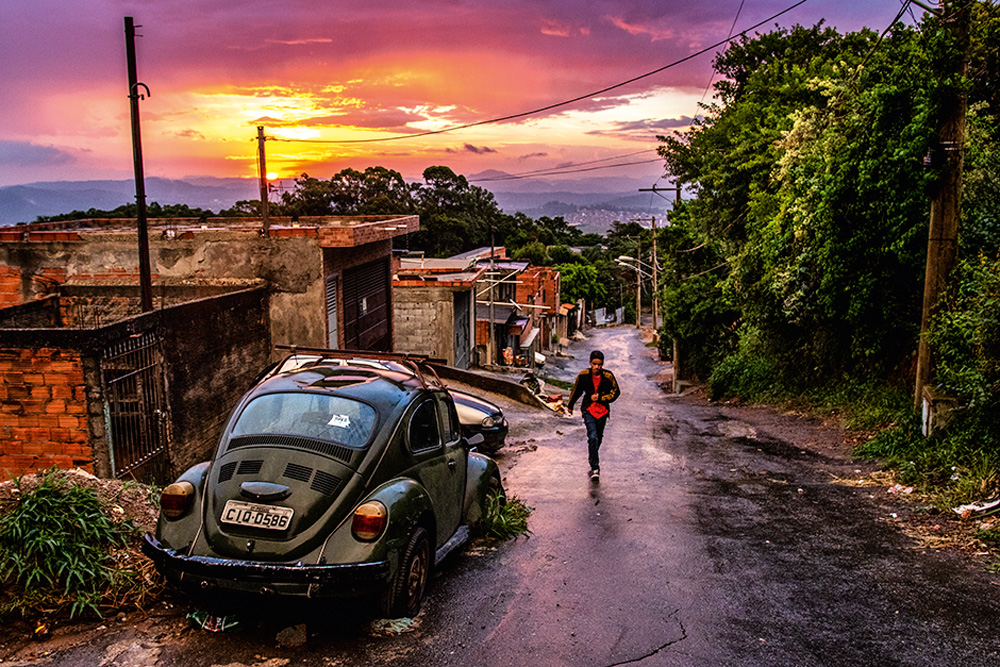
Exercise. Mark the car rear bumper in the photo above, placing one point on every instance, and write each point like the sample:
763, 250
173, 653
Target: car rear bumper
248, 576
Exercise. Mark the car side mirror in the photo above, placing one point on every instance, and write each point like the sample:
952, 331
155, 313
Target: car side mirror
474, 441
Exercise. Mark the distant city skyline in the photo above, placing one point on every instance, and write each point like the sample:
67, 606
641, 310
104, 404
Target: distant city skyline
360, 71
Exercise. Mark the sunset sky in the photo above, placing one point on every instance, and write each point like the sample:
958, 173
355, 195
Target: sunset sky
340, 70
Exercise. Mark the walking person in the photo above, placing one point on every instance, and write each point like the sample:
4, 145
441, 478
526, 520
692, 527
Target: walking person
598, 388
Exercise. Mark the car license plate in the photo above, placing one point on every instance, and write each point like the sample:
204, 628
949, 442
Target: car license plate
257, 516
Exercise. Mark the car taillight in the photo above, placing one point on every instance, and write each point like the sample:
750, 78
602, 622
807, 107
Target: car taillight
369, 521
176, 499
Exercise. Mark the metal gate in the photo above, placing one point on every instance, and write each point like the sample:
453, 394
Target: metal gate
462, 314
366, 307
135, 408
331, 313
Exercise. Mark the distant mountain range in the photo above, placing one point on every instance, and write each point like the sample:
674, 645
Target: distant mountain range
592, 204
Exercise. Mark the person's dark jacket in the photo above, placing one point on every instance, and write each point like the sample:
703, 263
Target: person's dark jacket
607, 389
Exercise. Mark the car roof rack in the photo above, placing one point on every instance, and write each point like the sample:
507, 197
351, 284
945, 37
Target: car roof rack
420, 363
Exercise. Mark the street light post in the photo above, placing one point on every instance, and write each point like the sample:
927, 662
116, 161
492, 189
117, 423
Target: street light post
624, 260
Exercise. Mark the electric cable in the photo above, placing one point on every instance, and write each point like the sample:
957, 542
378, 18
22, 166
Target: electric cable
555, 105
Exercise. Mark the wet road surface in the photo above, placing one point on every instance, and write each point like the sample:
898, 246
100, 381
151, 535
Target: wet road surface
715, 537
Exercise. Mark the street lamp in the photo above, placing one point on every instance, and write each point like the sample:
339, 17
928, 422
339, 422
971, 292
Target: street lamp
639, 273
624, 259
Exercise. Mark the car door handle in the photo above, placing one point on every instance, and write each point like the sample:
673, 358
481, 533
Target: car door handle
452, 465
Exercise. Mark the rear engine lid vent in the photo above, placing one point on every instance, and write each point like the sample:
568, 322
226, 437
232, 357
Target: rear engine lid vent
325, 483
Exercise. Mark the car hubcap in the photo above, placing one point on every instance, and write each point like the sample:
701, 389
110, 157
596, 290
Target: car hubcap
417, 574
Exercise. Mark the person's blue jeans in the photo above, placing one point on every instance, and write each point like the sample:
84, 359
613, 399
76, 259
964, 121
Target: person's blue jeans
595, 434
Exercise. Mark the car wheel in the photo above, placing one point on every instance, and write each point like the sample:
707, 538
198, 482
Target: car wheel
496, 489
407, 591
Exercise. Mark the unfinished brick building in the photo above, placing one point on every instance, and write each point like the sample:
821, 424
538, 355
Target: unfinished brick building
72, 334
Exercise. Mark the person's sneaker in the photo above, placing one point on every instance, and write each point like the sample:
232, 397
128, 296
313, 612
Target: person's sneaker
595, 475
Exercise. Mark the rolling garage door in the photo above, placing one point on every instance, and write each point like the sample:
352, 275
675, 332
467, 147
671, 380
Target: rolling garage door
366, 307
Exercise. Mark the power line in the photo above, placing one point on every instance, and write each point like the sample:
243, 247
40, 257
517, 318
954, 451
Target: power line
549, 107
558, 171
547, 170
712, 77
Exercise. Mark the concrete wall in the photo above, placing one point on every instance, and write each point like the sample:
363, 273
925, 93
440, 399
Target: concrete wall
292, 267
425, 321
214, 350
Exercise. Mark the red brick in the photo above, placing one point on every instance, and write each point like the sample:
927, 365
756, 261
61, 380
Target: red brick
33, 406
69, 421
46, 421
61, 391
17, 392
76, 408
13, 377
55, 407
41, 393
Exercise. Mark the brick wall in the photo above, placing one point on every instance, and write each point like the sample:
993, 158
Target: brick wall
10, 286
43, 411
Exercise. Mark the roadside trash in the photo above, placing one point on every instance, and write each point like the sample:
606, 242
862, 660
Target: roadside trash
984, 508
210, 623
899, 488
389, 627
531, 382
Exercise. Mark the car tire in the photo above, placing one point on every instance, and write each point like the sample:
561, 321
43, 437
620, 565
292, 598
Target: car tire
406, 592
496, 487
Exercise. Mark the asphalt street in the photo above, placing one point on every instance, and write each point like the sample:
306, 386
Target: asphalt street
715, 537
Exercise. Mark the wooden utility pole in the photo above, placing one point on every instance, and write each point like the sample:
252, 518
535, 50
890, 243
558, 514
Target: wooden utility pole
653, 263
942, 237
262, 175
638, 284
145, 277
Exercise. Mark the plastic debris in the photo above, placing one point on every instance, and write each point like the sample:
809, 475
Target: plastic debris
984, 507
388, 627
899, 488
211, 623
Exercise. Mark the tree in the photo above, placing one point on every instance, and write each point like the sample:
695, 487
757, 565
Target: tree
580, 281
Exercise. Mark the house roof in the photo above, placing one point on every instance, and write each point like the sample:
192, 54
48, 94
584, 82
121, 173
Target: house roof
331, 231
501, 312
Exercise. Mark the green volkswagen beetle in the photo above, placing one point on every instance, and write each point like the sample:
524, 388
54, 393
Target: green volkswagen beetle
330, 480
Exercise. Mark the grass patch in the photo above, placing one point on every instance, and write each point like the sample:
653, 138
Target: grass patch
505, 518
64, 551
559, 383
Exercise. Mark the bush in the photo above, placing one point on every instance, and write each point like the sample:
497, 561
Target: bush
748, 373
506, 518
55, 547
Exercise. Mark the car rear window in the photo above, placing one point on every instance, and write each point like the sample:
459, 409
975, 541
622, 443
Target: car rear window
331, 418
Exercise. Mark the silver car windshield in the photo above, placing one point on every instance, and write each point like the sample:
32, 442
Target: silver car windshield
332, 418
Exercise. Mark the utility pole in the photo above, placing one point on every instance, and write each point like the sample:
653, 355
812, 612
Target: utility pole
145, 278
489, 330
942, 237
638, 284
656, 290
262, 175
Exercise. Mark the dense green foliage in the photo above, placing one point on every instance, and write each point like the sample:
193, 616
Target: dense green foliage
54, 547
799, 261
505, 518
153, 210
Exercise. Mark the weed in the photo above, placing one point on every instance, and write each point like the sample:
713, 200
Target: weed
55, 544
505, 518
559, 383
